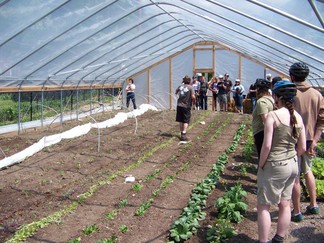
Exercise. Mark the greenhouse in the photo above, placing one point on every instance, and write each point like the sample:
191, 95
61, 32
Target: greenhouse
65, 117
82, 49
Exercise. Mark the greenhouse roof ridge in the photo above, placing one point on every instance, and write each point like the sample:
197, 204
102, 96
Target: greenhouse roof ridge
88, 43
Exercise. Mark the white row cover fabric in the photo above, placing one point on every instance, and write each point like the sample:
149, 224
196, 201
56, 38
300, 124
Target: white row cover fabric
72, 133
73, 42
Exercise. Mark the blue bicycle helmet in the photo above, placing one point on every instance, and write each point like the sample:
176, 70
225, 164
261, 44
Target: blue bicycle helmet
299, 70
285, 89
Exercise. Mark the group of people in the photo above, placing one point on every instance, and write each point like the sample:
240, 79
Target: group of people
195, 94
221, 88
288, 120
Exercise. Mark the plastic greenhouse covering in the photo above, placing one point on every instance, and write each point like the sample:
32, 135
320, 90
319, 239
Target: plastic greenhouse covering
93, 43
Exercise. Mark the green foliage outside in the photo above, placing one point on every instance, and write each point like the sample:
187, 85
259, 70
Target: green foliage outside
31, 104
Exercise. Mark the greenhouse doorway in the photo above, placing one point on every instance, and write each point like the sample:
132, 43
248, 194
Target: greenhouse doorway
207, 73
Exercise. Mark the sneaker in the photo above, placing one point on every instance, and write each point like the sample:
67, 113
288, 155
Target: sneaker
296, 217
313, 210
183, 137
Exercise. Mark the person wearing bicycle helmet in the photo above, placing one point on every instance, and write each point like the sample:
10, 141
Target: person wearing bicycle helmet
310, 105
263, 106
284, 140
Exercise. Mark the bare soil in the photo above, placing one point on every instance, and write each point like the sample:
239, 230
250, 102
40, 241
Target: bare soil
58, 176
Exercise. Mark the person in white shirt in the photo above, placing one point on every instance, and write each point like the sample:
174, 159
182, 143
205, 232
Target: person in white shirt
130, 88
238, 91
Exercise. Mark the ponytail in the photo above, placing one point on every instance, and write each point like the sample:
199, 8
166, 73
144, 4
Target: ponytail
293, 120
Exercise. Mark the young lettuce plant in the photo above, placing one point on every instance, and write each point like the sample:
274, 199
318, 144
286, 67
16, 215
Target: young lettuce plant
230, 206
220, 231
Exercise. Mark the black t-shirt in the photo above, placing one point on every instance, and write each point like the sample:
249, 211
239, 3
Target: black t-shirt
203, 87
228, 83
252, 94
221, 88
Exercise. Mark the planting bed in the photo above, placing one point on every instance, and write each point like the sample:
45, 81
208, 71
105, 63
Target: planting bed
69, 192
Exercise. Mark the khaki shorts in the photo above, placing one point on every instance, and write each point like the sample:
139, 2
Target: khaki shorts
222, 98
275, 181
305, 163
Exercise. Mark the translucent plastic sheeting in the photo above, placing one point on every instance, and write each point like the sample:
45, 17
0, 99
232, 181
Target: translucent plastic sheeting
72, 133
160, 87
61, 42
142, 88
204, 59
181, 65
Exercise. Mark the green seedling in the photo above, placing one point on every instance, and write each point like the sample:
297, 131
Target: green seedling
123, 203
111, 215
243, 170
220, 231
137, 187
90, 229
123, 228
75, 240
112, 239
143, 207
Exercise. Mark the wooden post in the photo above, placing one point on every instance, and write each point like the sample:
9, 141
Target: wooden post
214, 60
240, 68
148, 85
170, 82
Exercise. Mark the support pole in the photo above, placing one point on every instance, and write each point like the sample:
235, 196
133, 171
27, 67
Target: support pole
77, 104
61, 107
42, 109
19, 115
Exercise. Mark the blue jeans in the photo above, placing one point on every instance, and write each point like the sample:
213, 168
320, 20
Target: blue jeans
130, 96
253, 100
203, 100
238, 98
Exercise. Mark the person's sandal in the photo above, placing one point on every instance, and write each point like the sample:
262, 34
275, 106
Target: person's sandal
312, 210
296, 217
